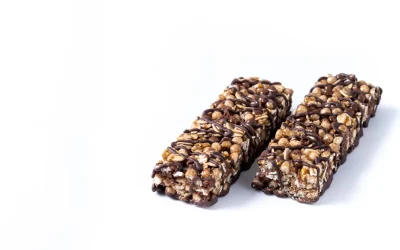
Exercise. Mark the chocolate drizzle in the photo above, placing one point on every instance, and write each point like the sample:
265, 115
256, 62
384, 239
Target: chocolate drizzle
194, 163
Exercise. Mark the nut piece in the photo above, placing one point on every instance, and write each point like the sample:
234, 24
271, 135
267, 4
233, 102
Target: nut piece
248, 117
326, 154
362, 82
170, 191
235, 157
190, 173
303, 172
316, 91
301, 109
311, 154
328, 138
197, 148
279, 88
285, 167
165, 154
334, 147
235, 148
338, 140
226, 144
237, 140
279, 134
215, 146
286, 154
157, 179
283, 142
196, 197
216, 115
175, 157
344, 118
325, 124
364, 88
325, 111
322, 81
323, 98
336, 111
294, 143
229, 103
331, 79
295, 155
345, 92
288, 92
314, 117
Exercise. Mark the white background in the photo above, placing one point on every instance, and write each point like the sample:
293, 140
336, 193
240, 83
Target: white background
91, 92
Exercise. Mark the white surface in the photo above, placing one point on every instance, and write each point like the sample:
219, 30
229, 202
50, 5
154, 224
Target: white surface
92, 91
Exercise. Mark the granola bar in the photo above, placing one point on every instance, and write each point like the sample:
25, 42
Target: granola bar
313, 142
224, 140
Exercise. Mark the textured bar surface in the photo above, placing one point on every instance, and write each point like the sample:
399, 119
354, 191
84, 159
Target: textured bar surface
207, 159
313, 142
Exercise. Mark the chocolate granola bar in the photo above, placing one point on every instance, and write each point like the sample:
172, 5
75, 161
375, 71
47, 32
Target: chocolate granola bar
224, 140
313, 142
